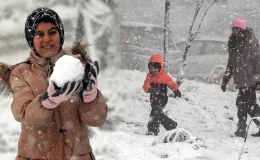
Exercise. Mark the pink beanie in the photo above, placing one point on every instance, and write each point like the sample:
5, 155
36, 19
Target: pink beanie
239, 22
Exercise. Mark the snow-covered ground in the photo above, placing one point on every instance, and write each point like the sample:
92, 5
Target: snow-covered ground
208, 114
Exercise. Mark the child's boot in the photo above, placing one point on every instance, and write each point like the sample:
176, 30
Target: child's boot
241, 130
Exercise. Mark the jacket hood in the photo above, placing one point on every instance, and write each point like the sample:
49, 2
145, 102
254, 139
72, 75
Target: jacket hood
5, 88
159, 59
249, 30
248, 36
248, 33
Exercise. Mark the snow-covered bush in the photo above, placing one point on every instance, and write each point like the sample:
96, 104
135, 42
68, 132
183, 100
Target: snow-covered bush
180, 135
176, 135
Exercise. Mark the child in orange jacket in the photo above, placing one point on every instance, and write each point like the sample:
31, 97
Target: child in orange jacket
156, 84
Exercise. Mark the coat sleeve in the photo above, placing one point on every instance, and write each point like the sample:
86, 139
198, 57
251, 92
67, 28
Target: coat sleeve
256, 58
147, 85
170, 83
26, 107
94, 113
229, 68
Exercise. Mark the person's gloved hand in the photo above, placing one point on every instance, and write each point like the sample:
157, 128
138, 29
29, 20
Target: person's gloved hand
257, 86
90, 81
179, 83
224, 85
153, 90
177, 93
55, 95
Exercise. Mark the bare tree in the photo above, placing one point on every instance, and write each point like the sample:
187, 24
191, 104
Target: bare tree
191, 36
80, 31
98, 25
166, 32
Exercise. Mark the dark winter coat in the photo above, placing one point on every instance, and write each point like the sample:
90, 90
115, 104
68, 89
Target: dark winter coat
51, 134
244, 60
160, 81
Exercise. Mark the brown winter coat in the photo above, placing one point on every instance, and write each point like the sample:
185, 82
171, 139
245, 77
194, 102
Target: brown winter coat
51, 134
244, 60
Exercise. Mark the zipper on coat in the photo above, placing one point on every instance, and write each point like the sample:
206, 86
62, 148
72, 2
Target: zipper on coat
49, 67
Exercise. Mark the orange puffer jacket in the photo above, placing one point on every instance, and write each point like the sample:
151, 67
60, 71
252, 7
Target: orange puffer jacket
161, 78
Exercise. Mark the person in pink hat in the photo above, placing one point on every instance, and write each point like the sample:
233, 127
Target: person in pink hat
244, 66
238, 26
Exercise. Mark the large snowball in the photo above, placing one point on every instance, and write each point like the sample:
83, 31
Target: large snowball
66, 69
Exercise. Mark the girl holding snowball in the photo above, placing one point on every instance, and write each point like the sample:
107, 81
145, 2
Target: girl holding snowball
54, 114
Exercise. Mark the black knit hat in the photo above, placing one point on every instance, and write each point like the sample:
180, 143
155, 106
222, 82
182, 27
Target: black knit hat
37, 16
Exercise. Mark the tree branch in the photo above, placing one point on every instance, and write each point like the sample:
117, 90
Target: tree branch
192, 36
166, 33
202, 19
195, 15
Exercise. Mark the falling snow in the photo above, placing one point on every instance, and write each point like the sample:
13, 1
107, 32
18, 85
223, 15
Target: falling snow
206, 116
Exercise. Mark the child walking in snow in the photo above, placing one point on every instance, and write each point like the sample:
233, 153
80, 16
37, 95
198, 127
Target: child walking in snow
156, 84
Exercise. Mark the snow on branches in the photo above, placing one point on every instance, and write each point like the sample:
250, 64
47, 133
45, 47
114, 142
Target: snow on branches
191, 36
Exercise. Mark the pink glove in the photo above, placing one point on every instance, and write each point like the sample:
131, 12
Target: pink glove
54, 95
90, 82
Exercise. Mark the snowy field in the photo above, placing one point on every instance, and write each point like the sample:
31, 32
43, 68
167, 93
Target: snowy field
207, 114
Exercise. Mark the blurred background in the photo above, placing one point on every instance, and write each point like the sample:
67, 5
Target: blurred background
98, 21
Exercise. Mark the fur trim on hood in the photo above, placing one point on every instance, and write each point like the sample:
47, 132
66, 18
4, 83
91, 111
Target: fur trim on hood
5, 71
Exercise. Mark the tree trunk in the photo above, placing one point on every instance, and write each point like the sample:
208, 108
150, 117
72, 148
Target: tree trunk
101, 30
166, 32
80, 31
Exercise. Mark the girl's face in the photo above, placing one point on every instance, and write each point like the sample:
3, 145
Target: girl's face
46, 39
153, 70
